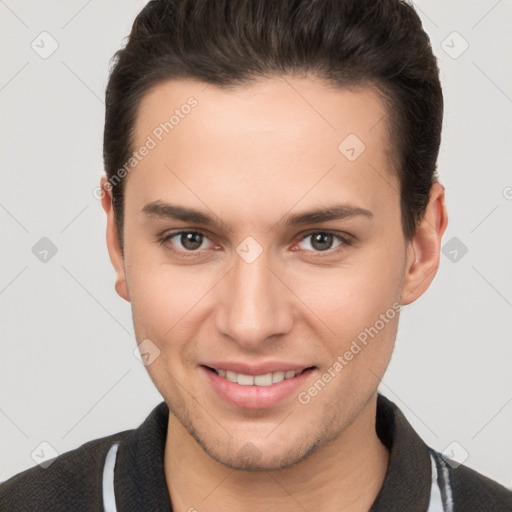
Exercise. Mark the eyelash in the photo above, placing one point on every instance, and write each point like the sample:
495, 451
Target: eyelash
344, 238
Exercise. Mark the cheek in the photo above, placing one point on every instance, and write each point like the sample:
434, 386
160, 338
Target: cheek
358, 291
162, 296
163, 300
359, 301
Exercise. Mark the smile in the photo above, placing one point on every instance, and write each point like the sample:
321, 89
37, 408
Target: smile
265, 379
255, 387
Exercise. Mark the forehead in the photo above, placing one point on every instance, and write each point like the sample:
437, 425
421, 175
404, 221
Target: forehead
280, 135
293, 106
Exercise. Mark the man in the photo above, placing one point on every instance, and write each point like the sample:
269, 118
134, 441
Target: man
272, 203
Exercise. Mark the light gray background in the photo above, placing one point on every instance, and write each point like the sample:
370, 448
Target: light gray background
68, 373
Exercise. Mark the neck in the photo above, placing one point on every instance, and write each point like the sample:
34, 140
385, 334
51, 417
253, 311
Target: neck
345, 474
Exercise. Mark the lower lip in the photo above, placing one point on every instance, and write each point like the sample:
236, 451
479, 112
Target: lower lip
255, 397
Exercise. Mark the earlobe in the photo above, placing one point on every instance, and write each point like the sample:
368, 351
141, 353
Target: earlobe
423, 251
114, 247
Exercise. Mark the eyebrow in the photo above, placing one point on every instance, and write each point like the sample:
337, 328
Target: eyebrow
317, 215
171, 211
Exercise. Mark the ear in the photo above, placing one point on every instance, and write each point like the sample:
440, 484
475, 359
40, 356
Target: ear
114, 247
423, 251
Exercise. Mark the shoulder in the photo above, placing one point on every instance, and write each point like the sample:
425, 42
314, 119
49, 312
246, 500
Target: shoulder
418, 474
463, 489
73, 480
473, 491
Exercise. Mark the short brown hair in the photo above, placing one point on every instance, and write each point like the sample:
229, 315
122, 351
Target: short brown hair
230, 43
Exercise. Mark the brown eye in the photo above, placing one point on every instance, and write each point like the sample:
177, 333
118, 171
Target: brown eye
191, 240
320, 241
185, 242
324, 241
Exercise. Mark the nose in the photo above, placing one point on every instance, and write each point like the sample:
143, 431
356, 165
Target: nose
256, 306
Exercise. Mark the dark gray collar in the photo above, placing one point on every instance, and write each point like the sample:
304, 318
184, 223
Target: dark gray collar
140, 478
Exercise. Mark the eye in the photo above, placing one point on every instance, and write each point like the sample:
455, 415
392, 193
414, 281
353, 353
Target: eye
323, 241
191, 243
185, 241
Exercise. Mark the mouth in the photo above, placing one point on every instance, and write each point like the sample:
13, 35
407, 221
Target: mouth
264, 379
256, 387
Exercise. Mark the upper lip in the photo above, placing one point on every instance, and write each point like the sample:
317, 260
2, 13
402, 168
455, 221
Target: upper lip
256, 369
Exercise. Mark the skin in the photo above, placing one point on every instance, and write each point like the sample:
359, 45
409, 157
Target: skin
252, 157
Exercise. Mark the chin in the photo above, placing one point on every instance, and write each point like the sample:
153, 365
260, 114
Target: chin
254, 460
250, 457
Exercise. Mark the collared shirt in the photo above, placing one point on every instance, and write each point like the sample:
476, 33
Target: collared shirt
125, 473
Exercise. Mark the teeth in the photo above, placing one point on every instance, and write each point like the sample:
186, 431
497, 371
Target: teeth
231, 376
245, 380
263, 380
279, 376
266, 379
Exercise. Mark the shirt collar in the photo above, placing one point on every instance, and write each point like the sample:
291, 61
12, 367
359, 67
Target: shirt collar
140, 482
139, 479
408, 479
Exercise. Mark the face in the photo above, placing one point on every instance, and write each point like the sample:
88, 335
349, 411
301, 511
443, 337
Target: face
265, 261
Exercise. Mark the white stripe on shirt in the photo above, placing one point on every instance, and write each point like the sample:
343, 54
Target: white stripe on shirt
109, 497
